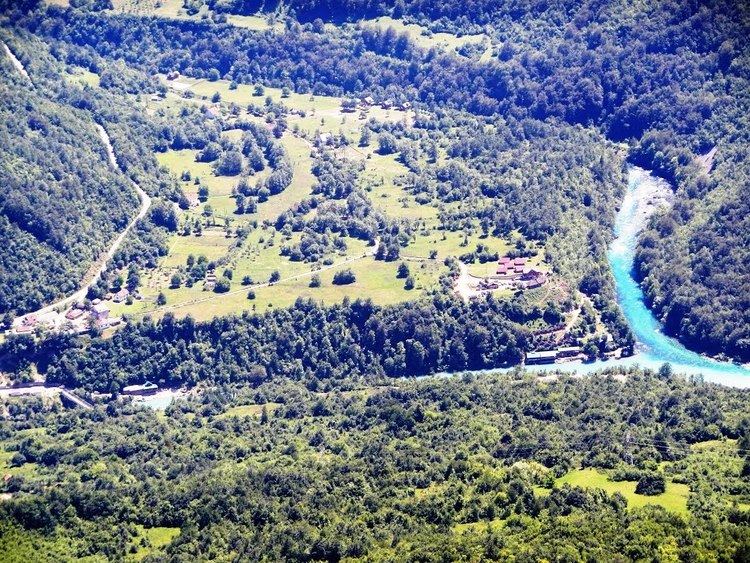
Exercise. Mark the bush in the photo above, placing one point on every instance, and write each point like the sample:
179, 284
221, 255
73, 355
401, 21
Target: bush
651, 484
387, 144
222, 285
315, 281
344, 277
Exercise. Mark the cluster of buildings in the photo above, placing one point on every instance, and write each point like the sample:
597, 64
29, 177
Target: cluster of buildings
517, 270
77, 319
368, 102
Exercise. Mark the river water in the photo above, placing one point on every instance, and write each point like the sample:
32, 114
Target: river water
644, 196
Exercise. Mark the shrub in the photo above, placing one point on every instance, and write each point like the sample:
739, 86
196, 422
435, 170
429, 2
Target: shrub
222, 285
651, 484
403, 271
344, 277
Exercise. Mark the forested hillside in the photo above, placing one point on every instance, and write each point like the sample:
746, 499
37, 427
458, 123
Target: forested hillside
453, 469
695, 261
61, 202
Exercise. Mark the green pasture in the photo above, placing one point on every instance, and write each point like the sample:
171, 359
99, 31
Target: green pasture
673, 499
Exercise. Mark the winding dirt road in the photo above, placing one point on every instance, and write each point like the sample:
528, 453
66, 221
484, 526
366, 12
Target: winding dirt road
101, 263
98, 267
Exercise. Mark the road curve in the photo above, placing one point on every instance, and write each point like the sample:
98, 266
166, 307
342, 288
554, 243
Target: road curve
101, 262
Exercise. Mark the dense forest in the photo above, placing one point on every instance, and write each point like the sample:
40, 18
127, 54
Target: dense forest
307, 342
461, 469
61, 202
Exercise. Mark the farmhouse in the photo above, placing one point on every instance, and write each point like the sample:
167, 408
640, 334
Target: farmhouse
509, 268
73, 314
121, 295
531, 278
100, 312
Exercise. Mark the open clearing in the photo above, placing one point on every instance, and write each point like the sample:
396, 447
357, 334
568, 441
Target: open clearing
673, 499
258, 256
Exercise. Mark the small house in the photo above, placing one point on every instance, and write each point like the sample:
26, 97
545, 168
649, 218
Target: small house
121, 295
367, 101
100, 312
73, 314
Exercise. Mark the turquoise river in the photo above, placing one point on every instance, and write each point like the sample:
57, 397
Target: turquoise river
654, 348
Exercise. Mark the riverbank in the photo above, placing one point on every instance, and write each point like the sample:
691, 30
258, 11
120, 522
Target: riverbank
646, 194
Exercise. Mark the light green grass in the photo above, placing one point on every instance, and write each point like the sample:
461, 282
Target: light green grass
302, 181
219, 187
255, 23
422, 36
27, 470
82, 76
248, 410
156, 539
673, 499
379, 179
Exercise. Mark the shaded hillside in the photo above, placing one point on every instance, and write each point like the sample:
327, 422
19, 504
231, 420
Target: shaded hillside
61, 201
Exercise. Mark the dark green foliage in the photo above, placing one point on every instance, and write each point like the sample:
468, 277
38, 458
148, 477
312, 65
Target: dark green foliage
344, 277
306, 342
651, 484
404, 465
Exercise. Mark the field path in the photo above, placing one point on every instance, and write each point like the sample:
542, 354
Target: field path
98, 267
